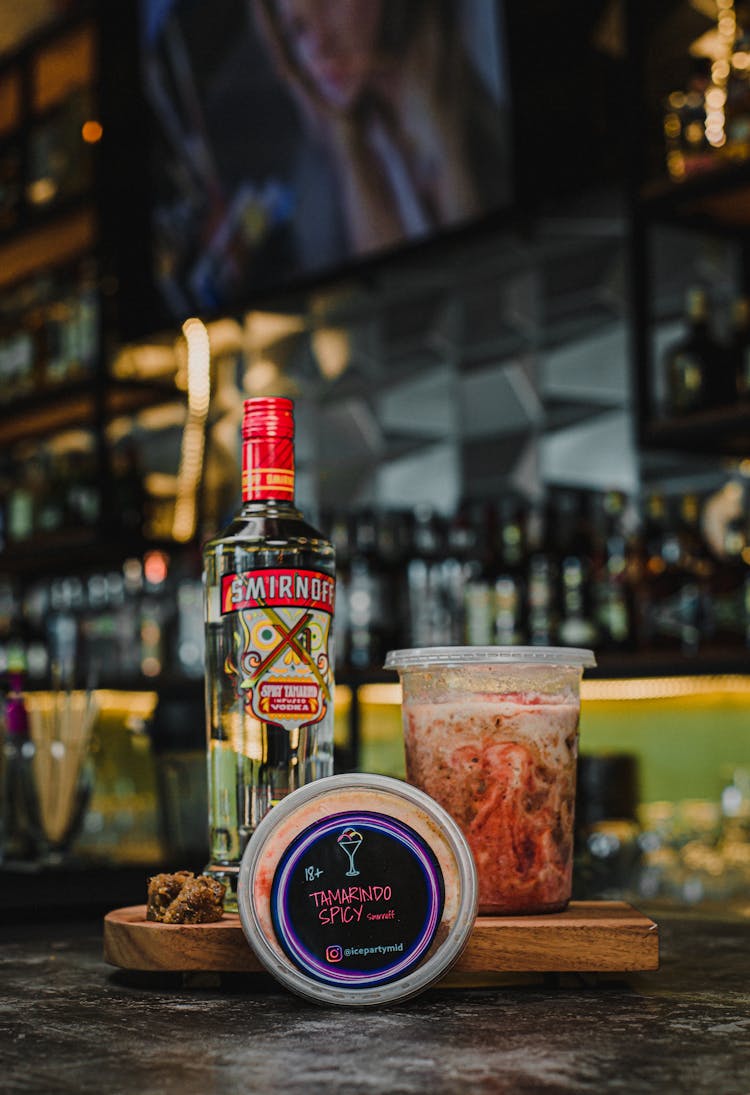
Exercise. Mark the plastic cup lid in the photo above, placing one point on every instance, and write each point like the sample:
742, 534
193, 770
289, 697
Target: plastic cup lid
449, 656
357, 890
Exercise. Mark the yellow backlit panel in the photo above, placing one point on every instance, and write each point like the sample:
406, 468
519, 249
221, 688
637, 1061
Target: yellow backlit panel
662, 688
380, 693
636, 688
139, 704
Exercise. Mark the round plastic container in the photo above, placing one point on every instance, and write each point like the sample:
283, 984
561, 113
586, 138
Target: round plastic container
491, 733
357, 890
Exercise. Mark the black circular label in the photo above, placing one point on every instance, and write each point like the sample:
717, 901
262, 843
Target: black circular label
356, 899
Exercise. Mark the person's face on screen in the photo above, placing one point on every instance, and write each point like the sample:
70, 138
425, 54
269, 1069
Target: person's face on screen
335, 43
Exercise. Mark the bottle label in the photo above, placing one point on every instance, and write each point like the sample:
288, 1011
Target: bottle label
279, 658
268, 469
356, 899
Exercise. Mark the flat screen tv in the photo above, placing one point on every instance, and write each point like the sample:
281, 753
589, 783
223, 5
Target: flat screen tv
296, 139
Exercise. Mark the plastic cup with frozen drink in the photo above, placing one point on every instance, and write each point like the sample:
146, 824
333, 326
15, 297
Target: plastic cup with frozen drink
491, 733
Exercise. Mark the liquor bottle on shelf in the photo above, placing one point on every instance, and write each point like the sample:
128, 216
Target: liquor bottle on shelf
393, 532
697, 568
613, 574
66, 316
729, 601
83, 498
577, 626
542, 577
87, 318
689, 362
20, 506
58, 165
4, 492
125, 590
737, 106
129, 496
479, 591
510, 582
188, 653
658, 584
739, 347
269, 589
366, 596
65, 608
34, 614
50, 515
9, 608
429, 613
19, 826
56, 367
17, 362
459, 566
675, 590
156, 612
341, 540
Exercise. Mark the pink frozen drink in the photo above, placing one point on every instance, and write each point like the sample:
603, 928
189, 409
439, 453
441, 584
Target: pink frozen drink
496, 744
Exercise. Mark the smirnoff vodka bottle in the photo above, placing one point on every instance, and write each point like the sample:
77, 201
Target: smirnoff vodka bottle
269, 598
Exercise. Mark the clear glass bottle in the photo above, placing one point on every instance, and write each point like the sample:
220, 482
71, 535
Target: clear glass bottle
269, 598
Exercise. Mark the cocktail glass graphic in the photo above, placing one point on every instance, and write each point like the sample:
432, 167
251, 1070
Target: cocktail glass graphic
350, 840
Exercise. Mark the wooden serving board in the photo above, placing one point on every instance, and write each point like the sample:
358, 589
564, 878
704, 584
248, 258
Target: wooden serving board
589, 936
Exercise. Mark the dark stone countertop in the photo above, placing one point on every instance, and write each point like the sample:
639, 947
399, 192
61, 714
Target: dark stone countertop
68, 1024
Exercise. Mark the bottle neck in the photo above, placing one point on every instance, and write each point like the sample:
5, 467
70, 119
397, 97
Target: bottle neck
268, 469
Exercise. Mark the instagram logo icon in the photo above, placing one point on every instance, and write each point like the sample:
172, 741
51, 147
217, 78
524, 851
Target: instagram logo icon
334, 954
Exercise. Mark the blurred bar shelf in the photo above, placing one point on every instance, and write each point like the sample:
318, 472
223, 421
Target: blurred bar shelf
72, 550
81, 204
714, 661
168, 685
53, 242
716, 430
41, 553
717, 200
74, 405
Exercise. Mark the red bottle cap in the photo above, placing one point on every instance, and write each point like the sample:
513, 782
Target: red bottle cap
271, 416
268, 449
